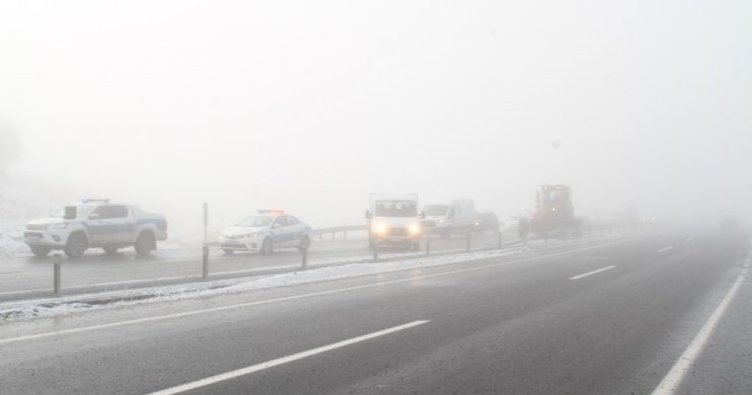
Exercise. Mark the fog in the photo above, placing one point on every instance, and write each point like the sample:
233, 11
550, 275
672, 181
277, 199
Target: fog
311, 106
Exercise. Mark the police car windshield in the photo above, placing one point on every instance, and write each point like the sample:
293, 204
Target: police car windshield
396, 208
256, 221
82, 210
435, 210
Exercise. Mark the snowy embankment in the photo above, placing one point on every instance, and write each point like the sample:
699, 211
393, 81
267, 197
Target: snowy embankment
21, 201
67, 305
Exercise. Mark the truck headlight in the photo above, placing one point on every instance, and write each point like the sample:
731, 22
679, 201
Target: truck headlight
414, 229
380, 229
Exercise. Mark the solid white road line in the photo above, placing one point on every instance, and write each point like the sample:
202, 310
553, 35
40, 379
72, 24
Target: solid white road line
591, 273
294, 297
280, 361
673, 379
664, 249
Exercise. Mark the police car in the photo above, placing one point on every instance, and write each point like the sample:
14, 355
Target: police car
264, 232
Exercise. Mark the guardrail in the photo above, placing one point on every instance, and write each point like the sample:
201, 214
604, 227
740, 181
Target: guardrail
337, 229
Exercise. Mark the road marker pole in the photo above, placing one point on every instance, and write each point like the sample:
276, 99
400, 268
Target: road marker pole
205, 248
205, 262
56, 268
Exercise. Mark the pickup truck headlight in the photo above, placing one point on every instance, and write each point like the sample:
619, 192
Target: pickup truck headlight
414, 229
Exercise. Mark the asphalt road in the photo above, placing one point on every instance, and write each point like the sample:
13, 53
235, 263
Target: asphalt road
612, 317
25, 277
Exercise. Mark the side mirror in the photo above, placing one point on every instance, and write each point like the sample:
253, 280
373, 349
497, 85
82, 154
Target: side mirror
70, 212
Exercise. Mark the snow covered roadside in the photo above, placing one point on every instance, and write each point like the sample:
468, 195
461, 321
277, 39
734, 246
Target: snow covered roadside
67, 305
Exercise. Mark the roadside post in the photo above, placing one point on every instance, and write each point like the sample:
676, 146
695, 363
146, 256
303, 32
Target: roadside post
304, 254
205, 248
205, 262
375, 252
56, 273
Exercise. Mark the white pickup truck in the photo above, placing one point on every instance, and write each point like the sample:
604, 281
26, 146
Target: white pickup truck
96, 223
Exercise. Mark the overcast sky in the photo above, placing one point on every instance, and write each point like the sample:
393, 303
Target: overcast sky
312, 105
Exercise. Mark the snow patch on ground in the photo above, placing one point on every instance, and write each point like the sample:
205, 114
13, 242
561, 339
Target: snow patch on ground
68, 305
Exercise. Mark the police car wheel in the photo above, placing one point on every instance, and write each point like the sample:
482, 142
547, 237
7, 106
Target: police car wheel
267, 247
228, 252
76, 246
40, 251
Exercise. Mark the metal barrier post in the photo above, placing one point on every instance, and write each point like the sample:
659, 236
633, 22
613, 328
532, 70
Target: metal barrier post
56, 274
205, 268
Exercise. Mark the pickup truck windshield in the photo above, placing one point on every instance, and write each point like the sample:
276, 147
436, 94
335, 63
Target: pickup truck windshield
82, 210
396, 208
256, 221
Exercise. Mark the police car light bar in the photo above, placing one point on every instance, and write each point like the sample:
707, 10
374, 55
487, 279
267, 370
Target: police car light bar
87, 201
271, 211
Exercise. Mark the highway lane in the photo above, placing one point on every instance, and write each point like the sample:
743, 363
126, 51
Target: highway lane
499, 326
25, 276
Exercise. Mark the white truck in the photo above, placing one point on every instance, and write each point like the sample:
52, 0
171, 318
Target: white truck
96, 223
445, 219
393, 220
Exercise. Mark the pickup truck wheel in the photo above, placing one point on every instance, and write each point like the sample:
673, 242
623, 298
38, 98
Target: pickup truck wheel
76, 246
145, 243
110, 250
267, 247
305, 242
40, 251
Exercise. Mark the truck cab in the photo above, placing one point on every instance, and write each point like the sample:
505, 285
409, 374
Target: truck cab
393, 220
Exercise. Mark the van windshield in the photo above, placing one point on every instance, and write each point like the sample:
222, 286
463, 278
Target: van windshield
436, 210
396, 208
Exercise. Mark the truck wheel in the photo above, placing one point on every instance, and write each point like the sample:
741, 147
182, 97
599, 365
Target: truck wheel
305, 242
39, 251
145, 243
267, 247
76, 246
110, 250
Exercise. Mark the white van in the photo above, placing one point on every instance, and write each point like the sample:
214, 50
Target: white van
445, 219
393, 220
